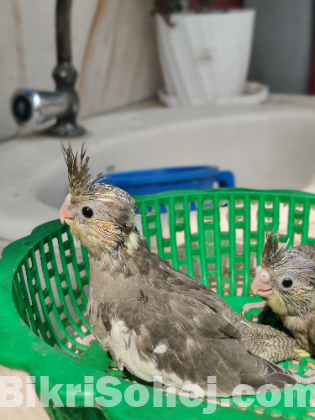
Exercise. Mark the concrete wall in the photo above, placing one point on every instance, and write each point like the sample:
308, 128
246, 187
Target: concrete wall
282, 44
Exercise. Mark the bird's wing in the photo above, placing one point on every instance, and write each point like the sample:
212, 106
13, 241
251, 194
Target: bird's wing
183, 328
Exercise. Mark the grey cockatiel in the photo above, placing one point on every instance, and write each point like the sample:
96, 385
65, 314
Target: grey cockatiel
286, 280
155, 320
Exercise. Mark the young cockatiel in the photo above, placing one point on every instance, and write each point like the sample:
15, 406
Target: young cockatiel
286, 280
153, 319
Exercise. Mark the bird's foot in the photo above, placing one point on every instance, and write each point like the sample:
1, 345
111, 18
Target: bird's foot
256, 305
306, 381
88, 339
310, 372
181, 393
172, 390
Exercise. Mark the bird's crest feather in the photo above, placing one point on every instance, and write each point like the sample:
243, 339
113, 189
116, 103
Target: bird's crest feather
271, 254
78, 170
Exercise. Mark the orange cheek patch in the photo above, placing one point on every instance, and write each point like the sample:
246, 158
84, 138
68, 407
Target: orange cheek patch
107, 232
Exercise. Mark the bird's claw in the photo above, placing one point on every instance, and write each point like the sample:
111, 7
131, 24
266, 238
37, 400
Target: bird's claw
181, 393
310, 373
255, 305
306, 381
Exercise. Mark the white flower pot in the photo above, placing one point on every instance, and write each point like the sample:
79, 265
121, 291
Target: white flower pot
205, 57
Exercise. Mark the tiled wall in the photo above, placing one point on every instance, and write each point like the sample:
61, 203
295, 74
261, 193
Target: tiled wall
114, 50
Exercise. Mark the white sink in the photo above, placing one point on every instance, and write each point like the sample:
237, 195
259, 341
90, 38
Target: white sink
270, 146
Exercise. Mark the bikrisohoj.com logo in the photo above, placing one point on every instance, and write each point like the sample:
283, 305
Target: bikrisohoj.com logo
105, 393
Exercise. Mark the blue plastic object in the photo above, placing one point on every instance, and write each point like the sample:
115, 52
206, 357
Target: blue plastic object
153, 181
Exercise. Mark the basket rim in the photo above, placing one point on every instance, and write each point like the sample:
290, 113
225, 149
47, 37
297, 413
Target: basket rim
20, 346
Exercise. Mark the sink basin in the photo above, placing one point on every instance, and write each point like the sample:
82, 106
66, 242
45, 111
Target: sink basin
270, 146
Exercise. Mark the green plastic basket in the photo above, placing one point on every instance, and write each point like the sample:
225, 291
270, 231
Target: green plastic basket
44, 282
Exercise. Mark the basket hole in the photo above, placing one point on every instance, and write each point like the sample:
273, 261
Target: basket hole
240, 241
72, 275
224, 219
295, 362
211, 267
179, 218
24, 280
268, 205
259, 410
243, 407
56, 330
164, 217
39, 270
180, 241
225, 242
153, 243
78, 250
71, 309
225, 266
193, 221
311, 222
184, 269
209, 242
138, 222
254, 318
299, 207
55, 291
283, 219
39, 307
57, 255
239, 218
297, 239
207, 204
208, 219
213, 283
253, 264
30, 262
253, 217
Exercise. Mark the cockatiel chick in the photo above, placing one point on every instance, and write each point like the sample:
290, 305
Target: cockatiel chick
153, 319
286, 280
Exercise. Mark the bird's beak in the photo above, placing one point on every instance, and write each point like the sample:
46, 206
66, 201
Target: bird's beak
65, 214
260, 284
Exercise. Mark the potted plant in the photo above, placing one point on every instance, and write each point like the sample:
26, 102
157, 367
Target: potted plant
204, 53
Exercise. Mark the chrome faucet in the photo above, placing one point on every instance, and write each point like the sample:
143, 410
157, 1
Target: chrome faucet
32, 108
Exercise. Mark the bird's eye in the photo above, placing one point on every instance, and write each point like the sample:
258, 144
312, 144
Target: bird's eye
87, 212
287, 283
